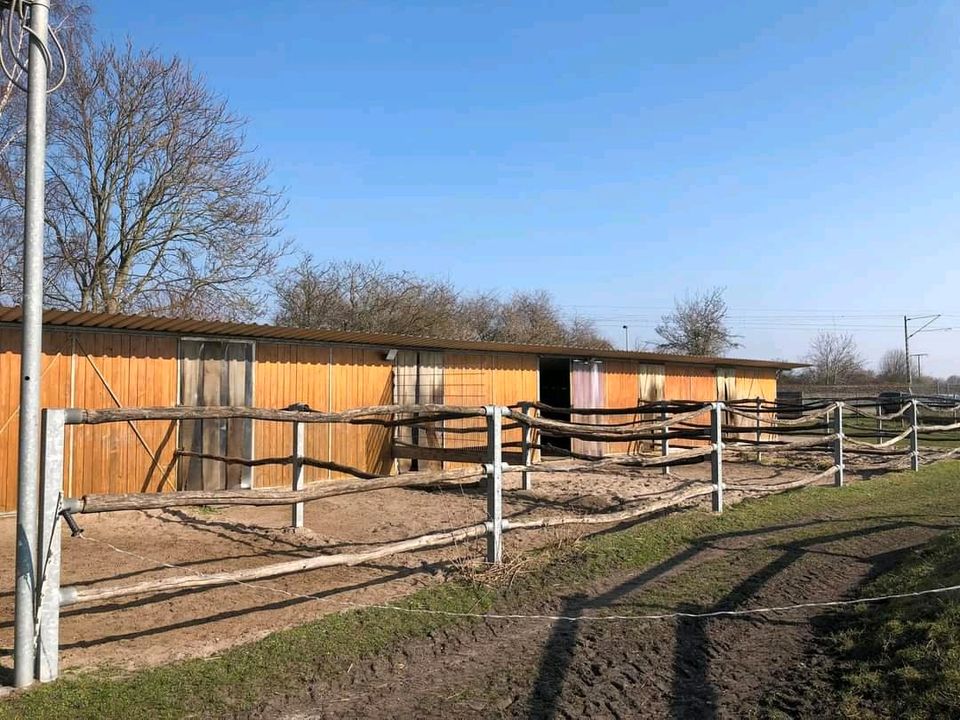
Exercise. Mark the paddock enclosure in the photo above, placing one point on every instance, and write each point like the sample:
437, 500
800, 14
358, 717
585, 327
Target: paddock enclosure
124, 361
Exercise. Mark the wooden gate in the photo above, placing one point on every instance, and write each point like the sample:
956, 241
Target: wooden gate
216, 372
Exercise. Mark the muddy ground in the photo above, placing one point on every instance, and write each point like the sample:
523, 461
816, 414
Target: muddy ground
142, 631
757, 666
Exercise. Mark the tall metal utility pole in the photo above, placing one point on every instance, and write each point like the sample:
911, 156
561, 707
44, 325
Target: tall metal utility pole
32, 16
930, 319
918, 356
906, 350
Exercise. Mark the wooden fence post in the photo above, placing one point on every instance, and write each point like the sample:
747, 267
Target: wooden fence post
297, 473
838, 446
526, 477
914, 437
494, 470
716, 456
665, 443
48, 547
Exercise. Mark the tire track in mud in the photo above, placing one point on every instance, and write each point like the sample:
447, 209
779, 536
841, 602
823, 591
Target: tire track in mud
753, 666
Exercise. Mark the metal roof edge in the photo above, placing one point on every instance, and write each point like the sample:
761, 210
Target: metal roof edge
147, 323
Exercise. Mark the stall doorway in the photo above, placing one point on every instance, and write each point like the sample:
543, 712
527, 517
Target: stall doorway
555, 391
212, 373
418, 380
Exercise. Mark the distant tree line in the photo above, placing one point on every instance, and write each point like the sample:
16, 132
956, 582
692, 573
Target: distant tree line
835, 359
371, 298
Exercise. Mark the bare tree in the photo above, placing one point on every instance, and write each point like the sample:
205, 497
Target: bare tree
70, 21
154, 203
369, 298
364, 297
893, 366
697, 326
834, 359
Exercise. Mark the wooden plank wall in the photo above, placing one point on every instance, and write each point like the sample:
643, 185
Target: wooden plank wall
756, 383
691, 382
83, 369
287, 373
621, 379
360, 378
499, 379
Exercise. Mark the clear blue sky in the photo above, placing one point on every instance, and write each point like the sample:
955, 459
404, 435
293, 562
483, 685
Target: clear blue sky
617, 154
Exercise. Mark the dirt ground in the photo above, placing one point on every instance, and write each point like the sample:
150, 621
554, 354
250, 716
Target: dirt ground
141, 631
774, 666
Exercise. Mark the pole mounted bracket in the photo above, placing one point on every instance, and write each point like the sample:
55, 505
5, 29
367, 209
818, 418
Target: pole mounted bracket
75, 529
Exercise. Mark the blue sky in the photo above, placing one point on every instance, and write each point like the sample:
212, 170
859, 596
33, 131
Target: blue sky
618, 154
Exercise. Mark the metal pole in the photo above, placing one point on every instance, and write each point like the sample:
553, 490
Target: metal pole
665, 443
879, 421
914, 438
494, 484
716, 457
30, 352
906, 350
526, 477
838, 445
48, 541
759, 452
299, 437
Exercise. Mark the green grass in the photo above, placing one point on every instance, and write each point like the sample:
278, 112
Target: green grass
286, 662
902, 660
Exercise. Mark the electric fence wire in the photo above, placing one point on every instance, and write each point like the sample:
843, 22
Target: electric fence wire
13, 13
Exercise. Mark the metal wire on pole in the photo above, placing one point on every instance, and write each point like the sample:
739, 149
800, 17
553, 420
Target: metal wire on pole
20, 20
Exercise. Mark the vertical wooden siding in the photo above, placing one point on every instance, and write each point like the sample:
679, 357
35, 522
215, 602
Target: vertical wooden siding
621, 379
475, 379
284, 374
359, 378
757, 383
96, 370
691, 382
117, 370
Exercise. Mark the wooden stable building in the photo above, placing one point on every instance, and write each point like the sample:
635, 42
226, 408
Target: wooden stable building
96, 360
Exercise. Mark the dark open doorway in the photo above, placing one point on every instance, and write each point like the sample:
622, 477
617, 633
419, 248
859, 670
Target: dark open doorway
555, 391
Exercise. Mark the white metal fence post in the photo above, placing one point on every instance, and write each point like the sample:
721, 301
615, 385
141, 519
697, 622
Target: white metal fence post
47, 632
914, 437
716, 457
759, 408
838, 446
494, 469
665, 443
299, 437
526, 477
879, 422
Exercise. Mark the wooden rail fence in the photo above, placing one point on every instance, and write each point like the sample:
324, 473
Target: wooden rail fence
753, 427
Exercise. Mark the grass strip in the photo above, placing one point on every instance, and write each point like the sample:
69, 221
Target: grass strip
286, 662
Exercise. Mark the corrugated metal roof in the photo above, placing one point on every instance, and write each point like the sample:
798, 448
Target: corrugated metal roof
186, 326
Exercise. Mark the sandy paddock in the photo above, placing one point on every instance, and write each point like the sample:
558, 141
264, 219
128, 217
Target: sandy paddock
139, 631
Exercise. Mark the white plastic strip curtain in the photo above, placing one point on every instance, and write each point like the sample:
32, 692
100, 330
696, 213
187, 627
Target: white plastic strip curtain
727, 391
651, 379
586, 391
418, 379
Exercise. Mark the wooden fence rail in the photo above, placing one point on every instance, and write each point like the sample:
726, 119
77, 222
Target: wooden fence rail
783, 435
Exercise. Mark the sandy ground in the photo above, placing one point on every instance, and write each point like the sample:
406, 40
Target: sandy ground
142, 631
